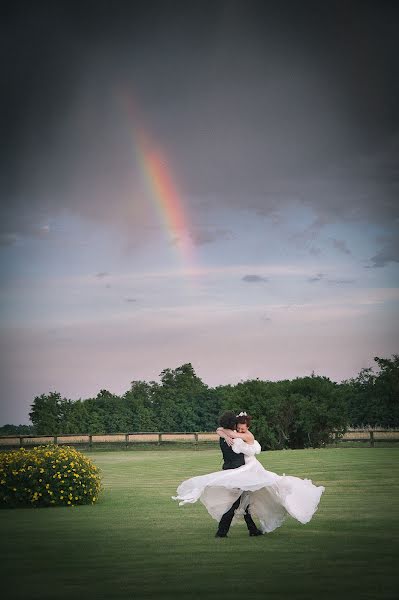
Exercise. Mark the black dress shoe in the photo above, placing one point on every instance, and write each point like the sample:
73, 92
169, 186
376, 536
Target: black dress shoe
256, 532
219, 534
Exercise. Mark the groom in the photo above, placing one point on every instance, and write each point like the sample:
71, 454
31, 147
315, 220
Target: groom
232, 461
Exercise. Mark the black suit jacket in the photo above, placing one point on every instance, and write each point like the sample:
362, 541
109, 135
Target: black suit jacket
230, 458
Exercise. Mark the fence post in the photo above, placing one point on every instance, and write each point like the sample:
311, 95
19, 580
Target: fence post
55, 440
159, 438
90, 441
196, 440
126, 440
372, 439
20, 441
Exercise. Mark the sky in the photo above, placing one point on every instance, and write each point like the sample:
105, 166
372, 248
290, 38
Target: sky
211, 182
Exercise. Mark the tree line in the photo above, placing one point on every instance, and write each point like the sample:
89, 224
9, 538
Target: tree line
299, 413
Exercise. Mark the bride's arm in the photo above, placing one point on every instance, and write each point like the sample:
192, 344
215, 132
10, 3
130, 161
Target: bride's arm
247, 437
240, 446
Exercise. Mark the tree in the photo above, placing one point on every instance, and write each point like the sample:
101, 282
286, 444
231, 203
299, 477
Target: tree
386, 388
373, 398
45, 413
139, 402
183, 402
115, 416
95, 419
74, 416
289, 414
10, 429
321, 411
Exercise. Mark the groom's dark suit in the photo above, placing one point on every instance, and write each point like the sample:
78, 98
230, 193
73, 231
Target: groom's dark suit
232, 461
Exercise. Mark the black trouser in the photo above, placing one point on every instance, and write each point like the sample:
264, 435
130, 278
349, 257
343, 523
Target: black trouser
225, 521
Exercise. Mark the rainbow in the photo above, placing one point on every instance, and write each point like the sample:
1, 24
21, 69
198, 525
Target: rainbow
163, 192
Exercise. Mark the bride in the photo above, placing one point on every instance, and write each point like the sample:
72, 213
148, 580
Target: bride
264, 494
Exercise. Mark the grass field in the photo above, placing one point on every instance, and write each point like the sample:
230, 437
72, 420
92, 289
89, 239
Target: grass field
137, 543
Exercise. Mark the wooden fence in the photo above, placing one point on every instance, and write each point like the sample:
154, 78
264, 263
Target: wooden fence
370, 436
124, 439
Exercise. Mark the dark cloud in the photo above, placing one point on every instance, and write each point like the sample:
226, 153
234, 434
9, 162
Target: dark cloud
342, 281
254, 279
317, 277
30, 230
266, 319
8, 239
130, 299
208, 236
306, 238
389, 252
102, 274
341, 246
252, 104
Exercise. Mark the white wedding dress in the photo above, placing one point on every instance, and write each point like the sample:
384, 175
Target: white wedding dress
269, 497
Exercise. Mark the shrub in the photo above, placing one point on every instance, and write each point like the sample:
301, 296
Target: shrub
47, 476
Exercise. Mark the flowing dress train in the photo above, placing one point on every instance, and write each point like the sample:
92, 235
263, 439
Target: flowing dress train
268, 496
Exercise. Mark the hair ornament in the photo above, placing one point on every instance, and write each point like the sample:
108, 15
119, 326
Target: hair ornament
242, 414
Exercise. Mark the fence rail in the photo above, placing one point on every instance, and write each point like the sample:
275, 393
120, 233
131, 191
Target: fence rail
126, 439
164, 437
370, 435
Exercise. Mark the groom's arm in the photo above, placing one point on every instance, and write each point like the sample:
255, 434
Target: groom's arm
223, 434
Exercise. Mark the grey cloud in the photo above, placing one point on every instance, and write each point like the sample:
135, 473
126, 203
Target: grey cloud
102, 274
31, 228
130, 299
208, 236
315, 251
388, 253
340, 245
306, 237
294, 306
341, 281
59, 335
254, 279
7, 239
265, 318
317, 277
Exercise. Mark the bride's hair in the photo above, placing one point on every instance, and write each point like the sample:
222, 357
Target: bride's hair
244, 418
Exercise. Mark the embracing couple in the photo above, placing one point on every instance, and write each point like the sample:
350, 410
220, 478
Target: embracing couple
244, 488
233, 427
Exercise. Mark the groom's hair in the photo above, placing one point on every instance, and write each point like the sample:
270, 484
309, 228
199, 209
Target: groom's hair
228, 420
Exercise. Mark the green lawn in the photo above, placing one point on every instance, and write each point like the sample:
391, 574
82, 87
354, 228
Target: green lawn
137, 543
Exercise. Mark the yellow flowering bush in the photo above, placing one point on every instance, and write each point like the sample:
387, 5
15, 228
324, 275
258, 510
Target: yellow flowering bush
47, 476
